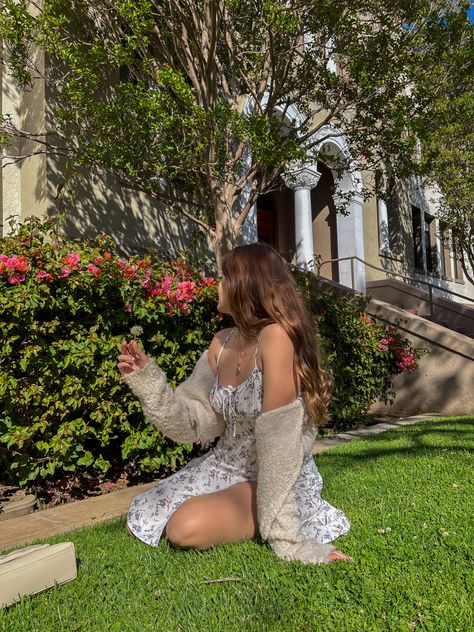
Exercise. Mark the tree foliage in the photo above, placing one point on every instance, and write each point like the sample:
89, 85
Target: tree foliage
204, 120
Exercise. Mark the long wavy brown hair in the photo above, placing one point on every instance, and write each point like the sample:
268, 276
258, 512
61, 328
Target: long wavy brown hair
261, 290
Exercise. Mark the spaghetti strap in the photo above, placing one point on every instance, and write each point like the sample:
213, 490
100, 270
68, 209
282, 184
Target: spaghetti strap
256, 349
220, 350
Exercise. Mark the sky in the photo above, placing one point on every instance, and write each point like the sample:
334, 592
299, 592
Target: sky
471, 13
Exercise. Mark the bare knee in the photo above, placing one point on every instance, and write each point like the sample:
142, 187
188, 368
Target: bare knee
184, 527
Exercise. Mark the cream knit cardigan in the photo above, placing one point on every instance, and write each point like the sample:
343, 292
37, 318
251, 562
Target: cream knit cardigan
283, 442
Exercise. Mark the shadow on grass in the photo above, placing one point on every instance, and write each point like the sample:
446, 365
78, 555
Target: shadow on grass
426, 440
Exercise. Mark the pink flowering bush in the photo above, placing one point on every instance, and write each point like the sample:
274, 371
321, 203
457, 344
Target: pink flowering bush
64, 308
362, 353
66, 305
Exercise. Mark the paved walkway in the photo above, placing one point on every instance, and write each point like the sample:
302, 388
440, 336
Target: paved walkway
21, 531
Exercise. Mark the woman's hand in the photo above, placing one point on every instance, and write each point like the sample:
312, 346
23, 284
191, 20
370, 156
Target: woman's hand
131, 357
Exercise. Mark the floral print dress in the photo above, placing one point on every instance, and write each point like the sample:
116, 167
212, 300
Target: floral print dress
233, 460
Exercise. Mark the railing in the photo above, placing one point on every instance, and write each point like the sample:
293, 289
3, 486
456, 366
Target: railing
353, 259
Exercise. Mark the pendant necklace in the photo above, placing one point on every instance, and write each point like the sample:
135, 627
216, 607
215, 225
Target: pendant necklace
239, 357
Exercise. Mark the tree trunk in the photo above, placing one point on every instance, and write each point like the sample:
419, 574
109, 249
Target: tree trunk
224, 237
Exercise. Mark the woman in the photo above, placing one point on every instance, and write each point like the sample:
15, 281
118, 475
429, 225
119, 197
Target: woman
261, 389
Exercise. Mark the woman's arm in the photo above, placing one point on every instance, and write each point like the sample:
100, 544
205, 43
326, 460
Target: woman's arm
283, 442
184, 414
280, 386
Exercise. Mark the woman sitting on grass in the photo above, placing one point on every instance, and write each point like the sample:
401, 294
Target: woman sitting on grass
259, 387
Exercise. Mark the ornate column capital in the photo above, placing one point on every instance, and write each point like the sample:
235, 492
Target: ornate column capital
301, 177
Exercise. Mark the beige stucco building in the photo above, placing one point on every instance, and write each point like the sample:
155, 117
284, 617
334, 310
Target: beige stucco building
367, 243
393, 252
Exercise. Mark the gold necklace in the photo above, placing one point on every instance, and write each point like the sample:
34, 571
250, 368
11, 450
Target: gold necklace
240, 355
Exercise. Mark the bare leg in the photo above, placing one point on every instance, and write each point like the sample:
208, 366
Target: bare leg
221, 517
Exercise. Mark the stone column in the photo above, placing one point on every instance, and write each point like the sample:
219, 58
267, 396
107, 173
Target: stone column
350, 243
302, 180
384, 235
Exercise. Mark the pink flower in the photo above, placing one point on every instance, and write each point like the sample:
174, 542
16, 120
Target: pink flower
42, 274
154, 291
128, 308
72, 259
208, 282
382, 347
111, 485
184, 308
16, 263
65, 272
367, 319
407, 363
15, 279
185, 291
94, 270
121, 264
166, 283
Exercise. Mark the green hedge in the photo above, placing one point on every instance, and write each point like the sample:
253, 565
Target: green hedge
363, 355
64, 308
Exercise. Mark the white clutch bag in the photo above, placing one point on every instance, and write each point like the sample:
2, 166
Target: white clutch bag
35, 568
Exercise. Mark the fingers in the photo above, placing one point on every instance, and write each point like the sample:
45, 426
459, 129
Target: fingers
131, 357
124, 368
135, 350
338, 555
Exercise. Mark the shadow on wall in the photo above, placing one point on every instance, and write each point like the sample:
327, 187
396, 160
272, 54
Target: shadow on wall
135, 221
442, 383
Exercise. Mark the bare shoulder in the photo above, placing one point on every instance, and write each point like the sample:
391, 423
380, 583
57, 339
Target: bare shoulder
222, 334
215, 346
274, 333
275, 342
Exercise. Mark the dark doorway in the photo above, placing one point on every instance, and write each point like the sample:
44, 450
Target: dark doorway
267, 220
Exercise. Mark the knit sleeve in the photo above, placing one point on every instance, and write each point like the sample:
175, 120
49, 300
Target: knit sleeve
283, 442
183, 415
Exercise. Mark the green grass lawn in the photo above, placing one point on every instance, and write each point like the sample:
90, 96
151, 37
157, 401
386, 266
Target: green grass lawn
409, 496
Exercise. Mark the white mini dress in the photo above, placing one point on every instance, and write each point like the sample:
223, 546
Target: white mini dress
233, 460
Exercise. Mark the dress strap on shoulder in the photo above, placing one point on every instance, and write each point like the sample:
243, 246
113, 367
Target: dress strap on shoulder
256, 348
223, 345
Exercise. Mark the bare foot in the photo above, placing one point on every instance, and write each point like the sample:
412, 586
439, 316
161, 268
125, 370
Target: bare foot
338, 555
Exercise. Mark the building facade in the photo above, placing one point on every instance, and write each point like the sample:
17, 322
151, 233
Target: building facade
368, 242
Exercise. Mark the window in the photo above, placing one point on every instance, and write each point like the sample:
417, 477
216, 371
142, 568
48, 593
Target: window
417, 238
431, 245
458, 272
446, 269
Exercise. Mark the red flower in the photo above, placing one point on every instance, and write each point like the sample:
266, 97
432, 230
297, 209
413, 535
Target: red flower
15, 263
94, 270
42, 274
185, 291
72, 259
15, 279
